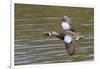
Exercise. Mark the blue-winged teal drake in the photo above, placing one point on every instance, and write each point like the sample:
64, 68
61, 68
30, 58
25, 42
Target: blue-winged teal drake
67, 36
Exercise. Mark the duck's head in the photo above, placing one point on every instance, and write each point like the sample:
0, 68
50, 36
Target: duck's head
65, 18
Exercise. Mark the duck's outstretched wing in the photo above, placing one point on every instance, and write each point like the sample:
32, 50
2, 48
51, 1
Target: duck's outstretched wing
72, 28
58, 35
61, 36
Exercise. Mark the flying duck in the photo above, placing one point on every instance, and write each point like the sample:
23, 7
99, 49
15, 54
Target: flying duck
67, 35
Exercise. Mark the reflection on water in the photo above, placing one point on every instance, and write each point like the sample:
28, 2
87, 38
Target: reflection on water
31, 22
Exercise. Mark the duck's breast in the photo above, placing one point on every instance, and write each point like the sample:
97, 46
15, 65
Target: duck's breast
65, 26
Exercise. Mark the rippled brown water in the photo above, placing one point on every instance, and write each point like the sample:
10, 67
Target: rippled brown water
32, 21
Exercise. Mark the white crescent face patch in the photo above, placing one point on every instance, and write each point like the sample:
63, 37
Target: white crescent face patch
67, 39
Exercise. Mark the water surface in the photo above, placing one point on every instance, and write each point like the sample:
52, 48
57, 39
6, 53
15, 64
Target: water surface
32, 21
